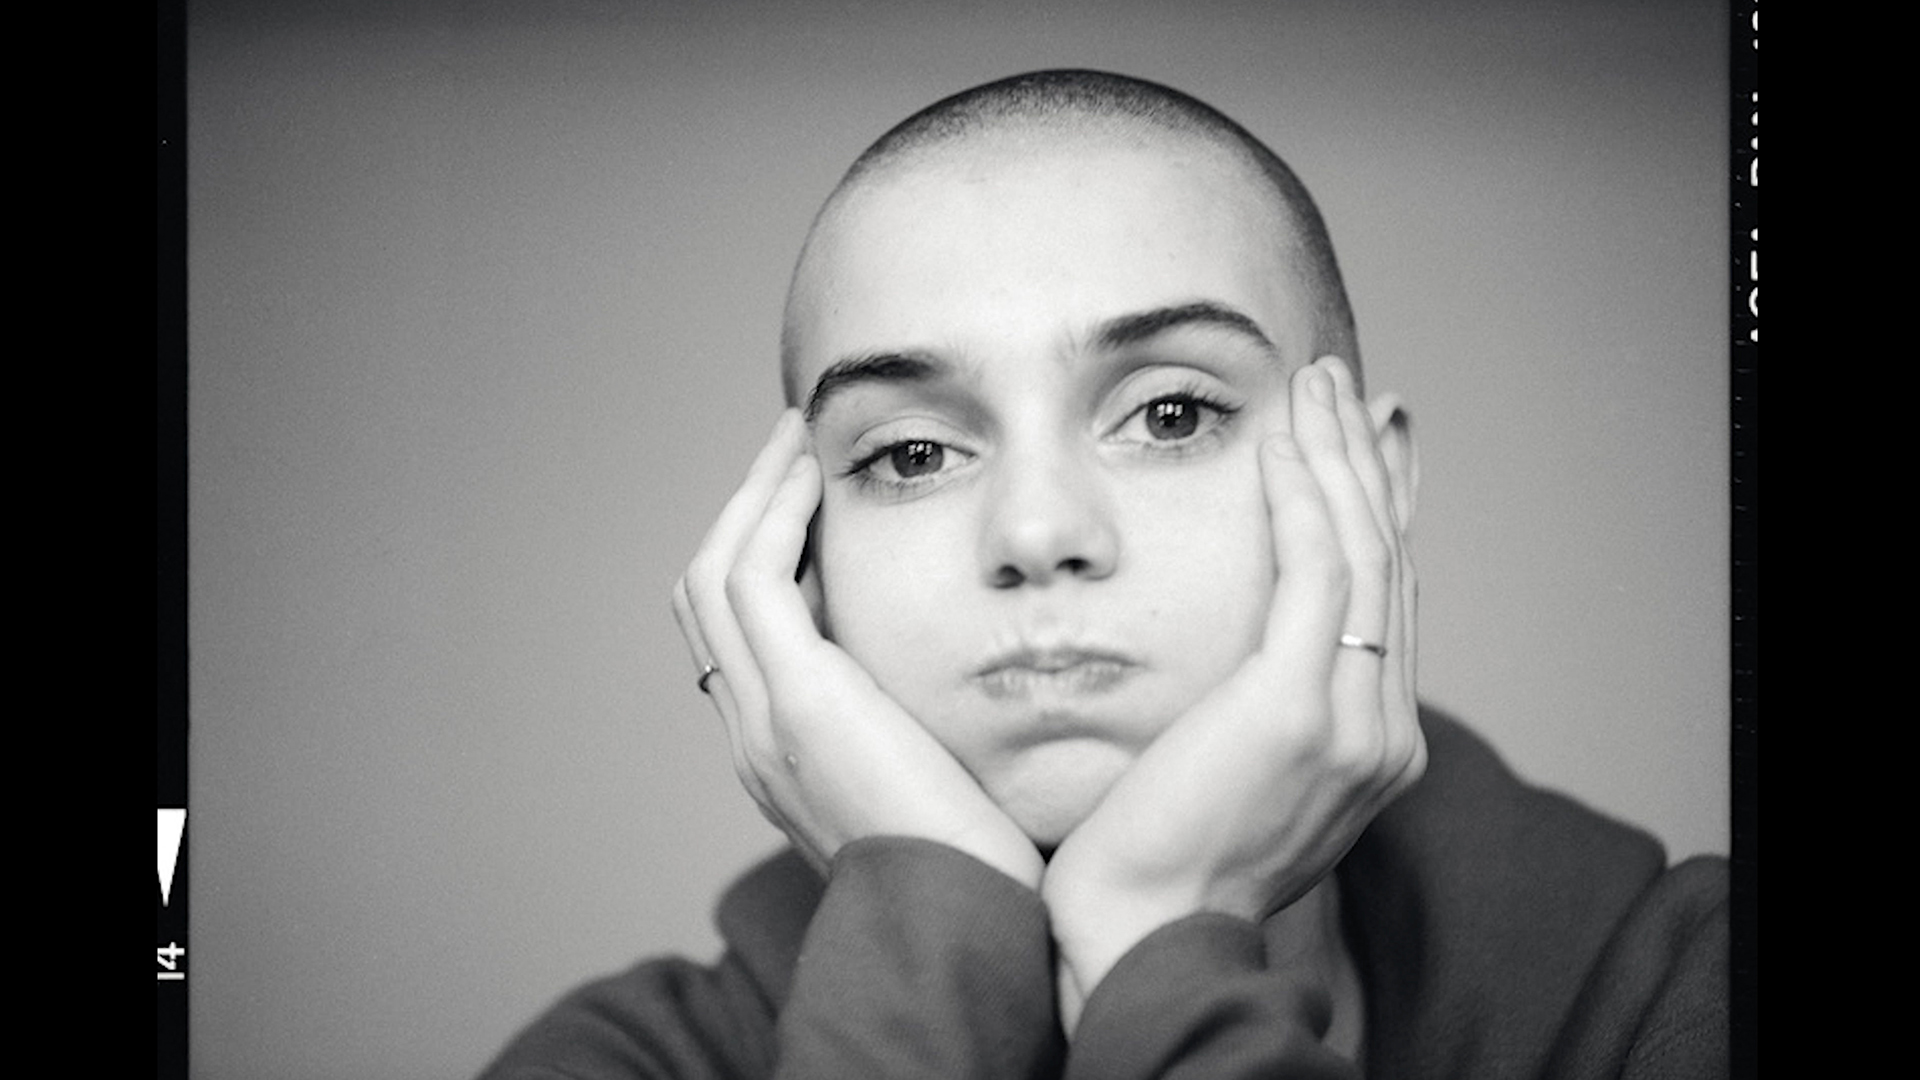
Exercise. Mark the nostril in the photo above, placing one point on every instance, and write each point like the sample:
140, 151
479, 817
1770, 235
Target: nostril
1007, 575
1047, 524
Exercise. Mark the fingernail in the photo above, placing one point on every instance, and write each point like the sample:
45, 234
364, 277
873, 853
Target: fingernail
1320, 385
793, 427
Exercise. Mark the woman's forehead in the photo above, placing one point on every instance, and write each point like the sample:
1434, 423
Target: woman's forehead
1006, 247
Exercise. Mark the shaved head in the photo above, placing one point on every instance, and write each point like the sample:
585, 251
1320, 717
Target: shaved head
1039, 335
1039, 111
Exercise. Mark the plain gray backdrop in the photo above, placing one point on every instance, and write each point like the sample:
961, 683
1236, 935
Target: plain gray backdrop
484, 306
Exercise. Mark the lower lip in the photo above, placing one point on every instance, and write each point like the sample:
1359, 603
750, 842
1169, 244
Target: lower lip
1024, 683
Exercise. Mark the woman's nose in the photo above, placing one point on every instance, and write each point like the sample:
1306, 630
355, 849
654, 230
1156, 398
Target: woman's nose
1049, 518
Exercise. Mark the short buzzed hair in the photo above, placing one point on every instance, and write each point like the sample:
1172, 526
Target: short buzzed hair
1102, 102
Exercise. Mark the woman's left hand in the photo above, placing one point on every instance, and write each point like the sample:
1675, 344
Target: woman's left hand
1253, 795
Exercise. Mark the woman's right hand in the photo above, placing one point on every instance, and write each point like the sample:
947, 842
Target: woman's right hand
826, 754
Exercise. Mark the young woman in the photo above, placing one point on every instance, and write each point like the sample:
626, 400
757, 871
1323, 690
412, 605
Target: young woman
1066, 626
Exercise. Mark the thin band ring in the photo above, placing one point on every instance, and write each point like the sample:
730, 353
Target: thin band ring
1348, 641
707, 671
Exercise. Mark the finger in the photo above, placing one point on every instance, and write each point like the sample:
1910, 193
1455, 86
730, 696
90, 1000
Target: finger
1409, 615
743, 510
1367, 454
1393, 445
1406, 704
1310, 595
710, 644
1402, 746
1323, 443
706, 620
1370, 468
1359, 727
706, 577
773, 612
702, 654
719, 692
1363, 448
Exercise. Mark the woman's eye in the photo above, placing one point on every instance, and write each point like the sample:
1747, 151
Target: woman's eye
907, 464
1174, 419
917, 458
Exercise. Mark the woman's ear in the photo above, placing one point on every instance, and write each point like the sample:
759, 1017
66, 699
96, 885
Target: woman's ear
1393, 428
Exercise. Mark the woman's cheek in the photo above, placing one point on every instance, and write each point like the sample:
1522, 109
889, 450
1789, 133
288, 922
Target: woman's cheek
1201, 541
873, 576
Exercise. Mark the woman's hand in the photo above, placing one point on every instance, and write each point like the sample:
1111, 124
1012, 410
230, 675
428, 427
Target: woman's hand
1248, 799
826, 754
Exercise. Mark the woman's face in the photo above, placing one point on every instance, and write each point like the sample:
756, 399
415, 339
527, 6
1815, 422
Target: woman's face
1039, 382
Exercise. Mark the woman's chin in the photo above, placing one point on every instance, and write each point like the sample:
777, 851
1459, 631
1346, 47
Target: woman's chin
1051, 789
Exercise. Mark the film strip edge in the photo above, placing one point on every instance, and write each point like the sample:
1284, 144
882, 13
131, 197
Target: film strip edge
1744, 491
170, 437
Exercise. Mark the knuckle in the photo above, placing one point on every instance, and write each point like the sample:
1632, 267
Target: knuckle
700, 577
765, 759
1407, 765
1373, 558
749, 779
1375, 760
1350, 757
1314, 732
1365, 758
1416, 763
737, 585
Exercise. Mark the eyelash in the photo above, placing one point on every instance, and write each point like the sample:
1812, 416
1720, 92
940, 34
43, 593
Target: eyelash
861, 472
1214, 416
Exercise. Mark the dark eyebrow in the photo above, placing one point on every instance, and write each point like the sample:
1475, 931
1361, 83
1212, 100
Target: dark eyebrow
873, 367
1114, 333
1117, 333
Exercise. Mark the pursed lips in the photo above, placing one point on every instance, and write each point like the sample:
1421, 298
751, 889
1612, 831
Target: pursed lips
1027, 672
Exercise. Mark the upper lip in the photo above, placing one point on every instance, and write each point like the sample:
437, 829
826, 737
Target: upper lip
1055, 675
1051, 659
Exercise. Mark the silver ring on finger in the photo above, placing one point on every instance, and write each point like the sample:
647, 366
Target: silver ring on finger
1349, 641
707, 671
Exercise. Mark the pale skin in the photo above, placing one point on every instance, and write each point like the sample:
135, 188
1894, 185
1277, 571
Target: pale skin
1232, 750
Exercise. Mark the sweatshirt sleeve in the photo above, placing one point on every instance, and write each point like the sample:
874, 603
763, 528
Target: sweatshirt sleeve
660, 1019
1195, 1000
919, 962
922, 962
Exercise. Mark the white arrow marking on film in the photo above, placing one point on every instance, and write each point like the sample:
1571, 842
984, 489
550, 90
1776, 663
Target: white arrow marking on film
173, 823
